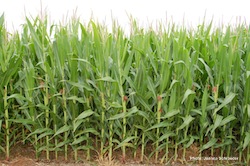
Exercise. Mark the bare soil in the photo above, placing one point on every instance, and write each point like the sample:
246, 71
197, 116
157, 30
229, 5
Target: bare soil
24, 155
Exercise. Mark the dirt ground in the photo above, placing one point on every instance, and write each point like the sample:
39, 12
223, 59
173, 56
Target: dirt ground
23, 155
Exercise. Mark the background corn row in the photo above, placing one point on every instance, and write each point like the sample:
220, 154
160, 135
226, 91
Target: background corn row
80, 87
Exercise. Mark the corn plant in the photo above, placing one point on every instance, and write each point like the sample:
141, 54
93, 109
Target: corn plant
78, 87
10, 64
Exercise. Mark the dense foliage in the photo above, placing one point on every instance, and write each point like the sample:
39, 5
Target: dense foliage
80, 87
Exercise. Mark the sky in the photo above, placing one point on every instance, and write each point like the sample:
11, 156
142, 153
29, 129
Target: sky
182, 12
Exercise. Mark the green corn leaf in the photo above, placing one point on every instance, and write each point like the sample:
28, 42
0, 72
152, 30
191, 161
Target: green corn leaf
208, 70
79, 140
141, 127
115, 105
172, 84
209, 129
151, 86
23, 121
209, 144
2, 149
42, 106
106, 79
166, 135
132, 111
190, 142
82, 60
1, 21
130, 82
127, 66
60, 144
48, 70
204, 101
79, 99
63, 129
13, 67
248, 110
160, 125
197, 111
43, 148
47, 133
227, 100
38, 45
211, 106
227, 120
217, 122
124, 114
0, 119
165, 76
186, 121
116, 141
84, 114
81, 85
37, 131
88, 130
85, 147
248, 74
171, 113
17, 97
227, 142
180, 62
187, 93
246, 140
143, 114
143, 102
80, 119
159, 148
183, 141
126, 142
77, 123
117, 116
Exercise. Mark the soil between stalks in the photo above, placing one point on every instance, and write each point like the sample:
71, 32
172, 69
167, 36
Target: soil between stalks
24, 155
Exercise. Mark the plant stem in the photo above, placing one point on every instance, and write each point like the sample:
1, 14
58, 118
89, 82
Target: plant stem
136, 131
110, 140
88, 137
124, 128
55, 129
167, 140
159, 110
65, 122
143, 142
248, 153
35, 136
215, 91
102, 123
7, 123
74, 116
46, 101
176, 145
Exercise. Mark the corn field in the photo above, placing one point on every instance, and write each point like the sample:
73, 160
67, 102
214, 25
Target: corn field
78, 87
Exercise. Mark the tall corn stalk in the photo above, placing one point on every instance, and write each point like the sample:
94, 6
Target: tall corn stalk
10, 64
61, 58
